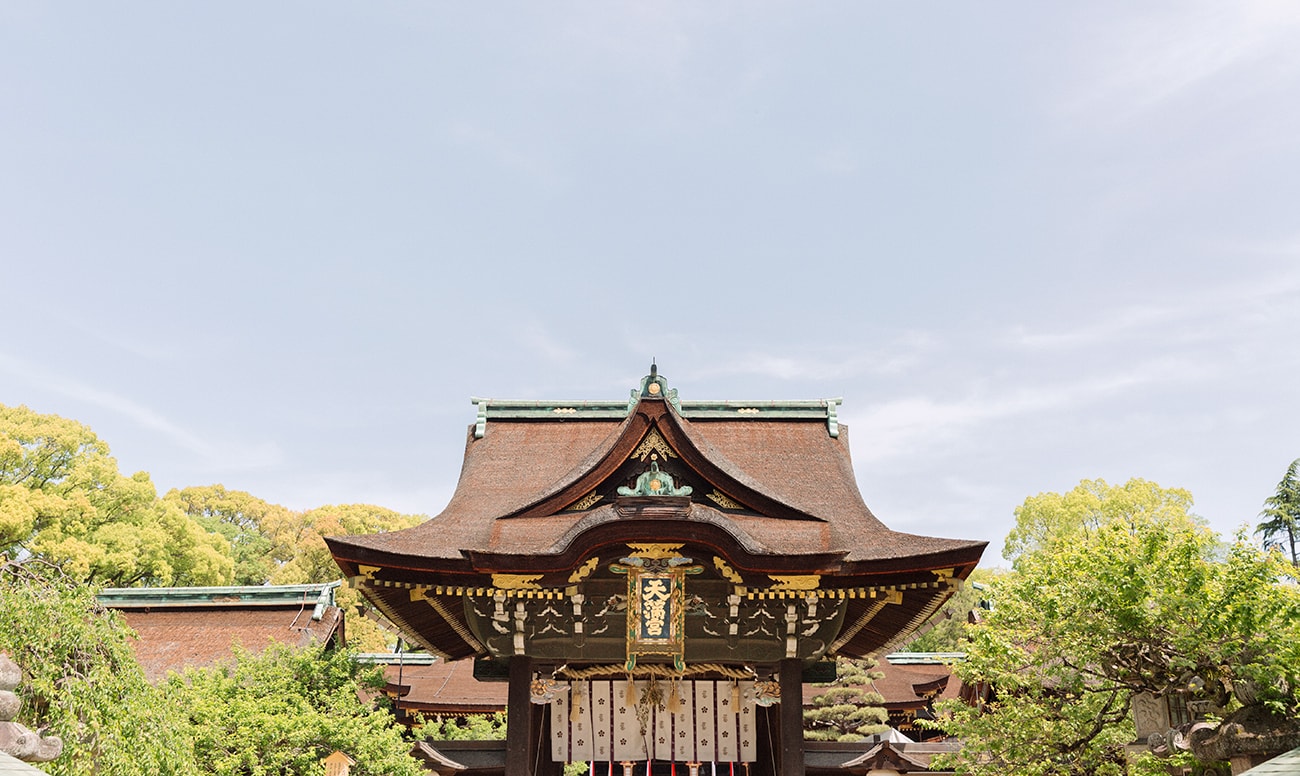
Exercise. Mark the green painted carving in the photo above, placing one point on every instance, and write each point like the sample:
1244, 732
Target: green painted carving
833, 422
653, 482
654, 386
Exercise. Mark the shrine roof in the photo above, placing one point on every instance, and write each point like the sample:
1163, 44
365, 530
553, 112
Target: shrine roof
527, 463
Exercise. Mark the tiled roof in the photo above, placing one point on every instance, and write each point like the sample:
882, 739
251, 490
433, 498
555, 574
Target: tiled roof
904, 684
178, 628
12, 766
445, 688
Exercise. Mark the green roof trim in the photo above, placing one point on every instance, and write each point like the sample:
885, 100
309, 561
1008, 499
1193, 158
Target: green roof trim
396, 658
1286, 764
318, 595
510, 409
925, 658
654, 385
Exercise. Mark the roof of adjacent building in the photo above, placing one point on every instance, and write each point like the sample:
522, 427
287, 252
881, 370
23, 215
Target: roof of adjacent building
1286, 764
181, 627
441, 688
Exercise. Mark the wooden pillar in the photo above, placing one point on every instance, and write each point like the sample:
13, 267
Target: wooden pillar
790, 677
519, 718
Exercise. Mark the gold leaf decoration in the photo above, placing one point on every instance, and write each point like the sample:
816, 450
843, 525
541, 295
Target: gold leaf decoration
584, 503
724, 501
654, 551
516, 581
584, 570
727, 572
653, 443
800, 582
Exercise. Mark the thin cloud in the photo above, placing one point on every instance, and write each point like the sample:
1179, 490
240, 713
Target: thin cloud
916, 424
534, 338
894, 358
1198, 315
1161, 56
264, 454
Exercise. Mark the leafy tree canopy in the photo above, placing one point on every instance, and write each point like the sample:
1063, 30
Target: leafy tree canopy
247, 522
1051, 518
284, 710
81, 681
63, 499
1140, 599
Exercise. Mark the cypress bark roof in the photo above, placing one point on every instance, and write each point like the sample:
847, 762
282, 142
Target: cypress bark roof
522, 473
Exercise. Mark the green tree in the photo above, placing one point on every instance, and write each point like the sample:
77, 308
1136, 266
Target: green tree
1049, 519
246, 521
475, 727
282, 711
850, 709
304, 538
1282, 514
63, 499
81, 681
1142, 599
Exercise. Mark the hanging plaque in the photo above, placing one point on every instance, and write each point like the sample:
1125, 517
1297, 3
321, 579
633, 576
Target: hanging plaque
656, 601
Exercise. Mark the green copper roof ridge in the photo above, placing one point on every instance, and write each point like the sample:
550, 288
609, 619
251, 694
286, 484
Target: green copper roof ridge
393, 658
266, 590
746, 409
319, 595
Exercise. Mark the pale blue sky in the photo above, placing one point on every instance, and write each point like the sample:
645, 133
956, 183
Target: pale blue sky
279, 246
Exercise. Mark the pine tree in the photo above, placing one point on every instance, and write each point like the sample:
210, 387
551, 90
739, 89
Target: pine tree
1282, 514
850, 709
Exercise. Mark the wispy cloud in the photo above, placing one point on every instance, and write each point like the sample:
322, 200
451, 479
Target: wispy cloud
534, 337
916, 424
252, 456
904, 352
1184, 315
1164, 54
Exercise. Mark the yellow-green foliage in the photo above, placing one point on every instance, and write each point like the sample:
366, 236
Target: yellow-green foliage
62, 498
1139, 598
81, 681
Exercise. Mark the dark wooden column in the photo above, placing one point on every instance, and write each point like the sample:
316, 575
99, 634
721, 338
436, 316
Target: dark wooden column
519, 718
790, 676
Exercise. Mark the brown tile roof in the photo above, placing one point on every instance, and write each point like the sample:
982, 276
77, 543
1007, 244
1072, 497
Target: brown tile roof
173, 639
522, 467
905, 685
445, 688
787, 503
